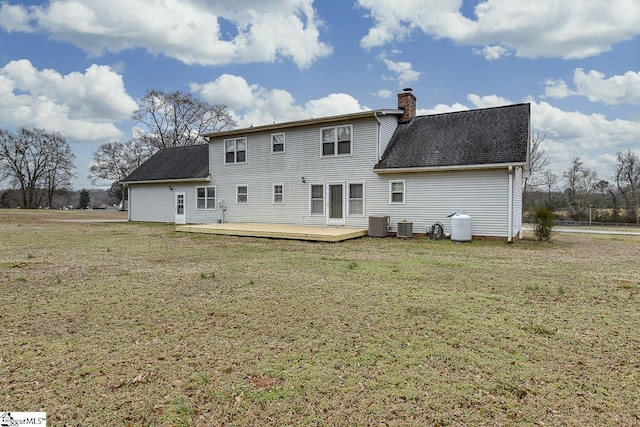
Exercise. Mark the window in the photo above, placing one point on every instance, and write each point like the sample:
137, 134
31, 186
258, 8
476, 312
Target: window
205, 197
356, 199
277, 143
235, 150
336, 141
278, 193
317, 200
241, 194
396, 192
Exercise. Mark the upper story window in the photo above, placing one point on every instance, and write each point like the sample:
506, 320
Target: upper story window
235, 150
277, 142
336, 140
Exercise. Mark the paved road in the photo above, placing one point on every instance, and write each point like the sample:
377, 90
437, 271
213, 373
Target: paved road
632, 232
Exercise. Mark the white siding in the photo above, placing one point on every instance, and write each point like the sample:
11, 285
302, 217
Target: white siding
301, 159
151, 202
156, 203
517, 202
431, 196
388, 125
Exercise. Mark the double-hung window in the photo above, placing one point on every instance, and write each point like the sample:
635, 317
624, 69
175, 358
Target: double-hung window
242, 194
278, 193
235, 150
356, 199
396, 192
316, 203
205, 197
336, 140
277, 143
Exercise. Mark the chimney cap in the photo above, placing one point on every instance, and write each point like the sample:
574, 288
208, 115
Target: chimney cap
407, 89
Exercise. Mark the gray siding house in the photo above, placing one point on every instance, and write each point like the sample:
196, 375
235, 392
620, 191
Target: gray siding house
340, 170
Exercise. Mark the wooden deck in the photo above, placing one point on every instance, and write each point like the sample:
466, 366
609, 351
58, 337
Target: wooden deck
278, 231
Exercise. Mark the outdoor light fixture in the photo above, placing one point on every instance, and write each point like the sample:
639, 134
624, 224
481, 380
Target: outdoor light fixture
170, 188
303, 180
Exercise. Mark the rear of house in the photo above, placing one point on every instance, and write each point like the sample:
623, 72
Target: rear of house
304, 173
340, 170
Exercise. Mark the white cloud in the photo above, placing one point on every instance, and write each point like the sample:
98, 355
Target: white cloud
591, 137
487, 101
14, 18
619, 89
191, 31
557, 89
477, 101
254, 105
384, 93
82, 106
442, 108
567, 29
491, 53
404, 70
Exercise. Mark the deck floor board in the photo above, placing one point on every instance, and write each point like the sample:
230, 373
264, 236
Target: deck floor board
277, 231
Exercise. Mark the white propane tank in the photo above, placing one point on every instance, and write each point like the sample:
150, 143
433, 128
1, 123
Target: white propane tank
460, 227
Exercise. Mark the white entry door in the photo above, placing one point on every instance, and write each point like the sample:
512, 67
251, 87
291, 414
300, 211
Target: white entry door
181, 213
335, 211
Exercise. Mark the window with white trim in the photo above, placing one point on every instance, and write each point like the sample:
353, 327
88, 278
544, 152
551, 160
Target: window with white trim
205, 198
356, 199
278, 193
396, 192
277, 143
235, 150
336, 140
242, 193
316, 202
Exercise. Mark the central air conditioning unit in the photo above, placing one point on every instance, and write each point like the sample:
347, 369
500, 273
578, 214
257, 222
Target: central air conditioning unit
378, 226
405, 229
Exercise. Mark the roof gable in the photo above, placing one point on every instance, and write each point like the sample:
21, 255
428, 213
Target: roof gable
170, 164
465, 138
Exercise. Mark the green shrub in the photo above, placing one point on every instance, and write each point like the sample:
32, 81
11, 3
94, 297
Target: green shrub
544, 223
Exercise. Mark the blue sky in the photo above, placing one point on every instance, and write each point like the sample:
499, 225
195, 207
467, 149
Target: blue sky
79, 67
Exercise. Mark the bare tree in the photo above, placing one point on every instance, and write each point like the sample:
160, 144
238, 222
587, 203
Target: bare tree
549, 180
538, 160
580, 187
61, 170
627, 178
35, 161
113, 161
178, 119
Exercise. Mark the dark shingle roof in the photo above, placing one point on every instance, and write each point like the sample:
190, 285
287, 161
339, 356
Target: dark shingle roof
178, 163
465, 138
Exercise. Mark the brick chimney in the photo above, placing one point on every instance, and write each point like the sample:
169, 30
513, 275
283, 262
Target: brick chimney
407, 102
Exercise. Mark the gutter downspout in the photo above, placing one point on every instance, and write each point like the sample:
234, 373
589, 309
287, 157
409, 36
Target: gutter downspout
375, 115
128, 203
510, 215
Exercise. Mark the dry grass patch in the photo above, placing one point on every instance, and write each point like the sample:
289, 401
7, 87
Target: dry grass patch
135, 324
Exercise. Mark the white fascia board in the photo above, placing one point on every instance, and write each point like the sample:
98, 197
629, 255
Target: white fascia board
168, 181
449, 168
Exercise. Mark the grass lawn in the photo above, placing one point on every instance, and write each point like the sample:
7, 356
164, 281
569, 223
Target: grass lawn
136, 324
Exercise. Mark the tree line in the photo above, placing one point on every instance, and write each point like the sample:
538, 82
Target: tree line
39, 164
581, 194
